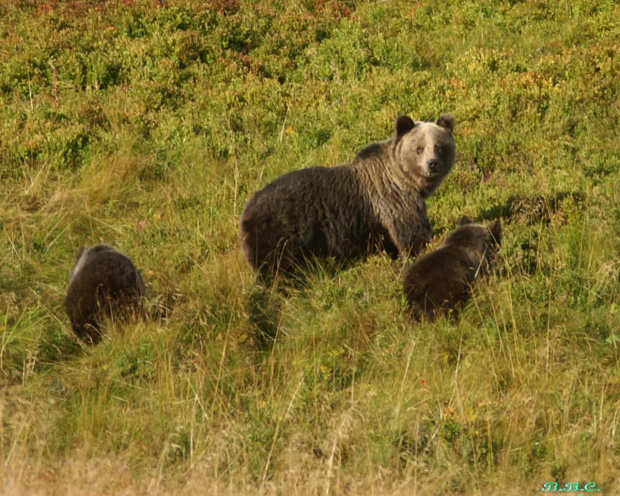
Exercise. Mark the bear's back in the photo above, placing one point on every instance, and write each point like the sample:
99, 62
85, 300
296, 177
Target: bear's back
440, 278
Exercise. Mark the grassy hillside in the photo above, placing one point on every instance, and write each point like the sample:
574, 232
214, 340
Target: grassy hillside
148, 124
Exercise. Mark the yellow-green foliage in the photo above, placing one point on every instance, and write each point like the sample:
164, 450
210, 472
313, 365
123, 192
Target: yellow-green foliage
147, 124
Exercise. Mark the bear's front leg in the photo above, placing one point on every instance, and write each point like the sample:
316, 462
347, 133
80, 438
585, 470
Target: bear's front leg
411, 237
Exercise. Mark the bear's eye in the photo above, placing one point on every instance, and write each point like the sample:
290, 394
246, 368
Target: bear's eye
438, 149
419, 150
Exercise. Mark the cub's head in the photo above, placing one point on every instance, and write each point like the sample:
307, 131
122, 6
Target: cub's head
425, 151
481, 239
84, 254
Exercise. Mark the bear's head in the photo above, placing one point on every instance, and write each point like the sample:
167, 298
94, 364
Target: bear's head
481, 239
425, 151
85, 254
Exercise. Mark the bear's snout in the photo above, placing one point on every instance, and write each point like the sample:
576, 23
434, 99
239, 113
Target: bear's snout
434, 165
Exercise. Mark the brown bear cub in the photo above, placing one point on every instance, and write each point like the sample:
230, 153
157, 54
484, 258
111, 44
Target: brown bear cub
441, 280
104, 282
377, 202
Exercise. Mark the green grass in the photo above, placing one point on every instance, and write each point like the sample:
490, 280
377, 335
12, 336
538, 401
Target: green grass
149, 126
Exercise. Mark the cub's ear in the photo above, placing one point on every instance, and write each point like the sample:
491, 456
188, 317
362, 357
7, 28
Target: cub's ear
496, 230
465, 220
79, 252
404, 124
446, 121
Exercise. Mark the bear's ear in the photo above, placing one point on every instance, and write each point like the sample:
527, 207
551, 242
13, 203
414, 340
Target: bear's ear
465, 220
404, 124
446, 121
79, 252
496, 230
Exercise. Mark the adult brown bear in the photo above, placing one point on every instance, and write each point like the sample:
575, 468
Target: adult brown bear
377, 202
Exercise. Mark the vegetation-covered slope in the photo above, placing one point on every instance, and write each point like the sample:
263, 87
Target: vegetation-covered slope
148, 124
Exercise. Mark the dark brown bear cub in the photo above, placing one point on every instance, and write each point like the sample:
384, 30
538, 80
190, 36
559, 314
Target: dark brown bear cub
441, 280
375, 203
104, 282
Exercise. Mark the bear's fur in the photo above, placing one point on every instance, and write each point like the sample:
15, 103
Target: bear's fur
376, 202
104, 282
441, 281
